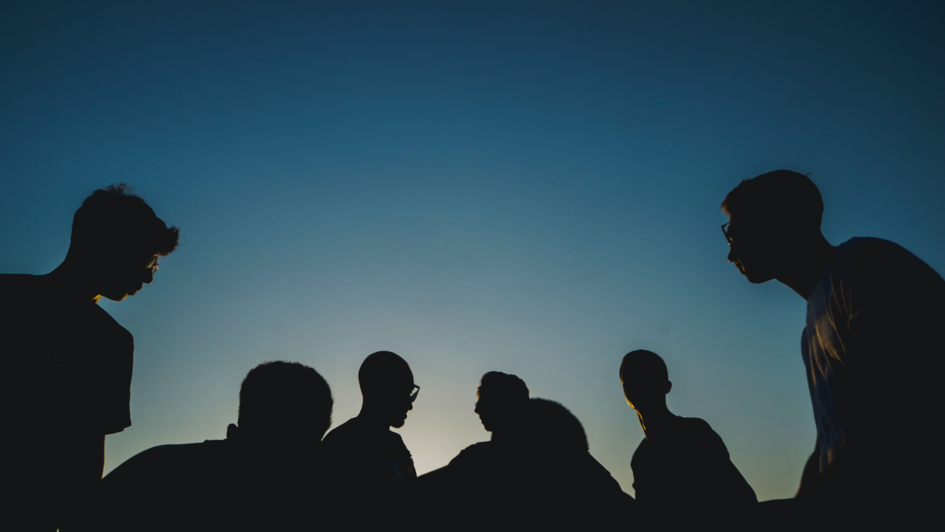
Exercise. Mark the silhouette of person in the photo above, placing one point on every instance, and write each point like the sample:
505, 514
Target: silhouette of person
558, 484
470, 479
264, 476
681, 464
72, 362
369, 463
501, 399
536, 472
871, 348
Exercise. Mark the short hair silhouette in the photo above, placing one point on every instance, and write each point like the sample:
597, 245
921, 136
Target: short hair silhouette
643, 365
113, 217
503, 387
778, 195
551, 426
277, 397
382, 371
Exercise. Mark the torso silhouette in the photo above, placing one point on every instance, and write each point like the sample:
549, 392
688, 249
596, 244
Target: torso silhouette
684, 470
369, 467
515, 486
70, 368
873, 352
214, 485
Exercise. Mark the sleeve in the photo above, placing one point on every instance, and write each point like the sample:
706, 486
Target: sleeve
115, 385
727, 482
884, 286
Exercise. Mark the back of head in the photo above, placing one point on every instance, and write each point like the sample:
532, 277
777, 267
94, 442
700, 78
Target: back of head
502, 388
383, 373
553, 428
781, 197
113, 220
643, 366
285, 400
644, 378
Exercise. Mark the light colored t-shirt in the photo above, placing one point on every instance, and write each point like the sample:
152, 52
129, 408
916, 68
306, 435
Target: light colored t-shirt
871, 340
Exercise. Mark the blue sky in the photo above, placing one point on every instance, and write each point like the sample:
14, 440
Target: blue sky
530, 187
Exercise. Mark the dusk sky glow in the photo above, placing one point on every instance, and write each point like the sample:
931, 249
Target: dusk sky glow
528, 187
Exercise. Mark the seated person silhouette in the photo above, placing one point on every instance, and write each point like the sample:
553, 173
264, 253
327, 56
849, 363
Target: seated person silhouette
681, 469
264, 476
872, 350
72, 362
558, 485
500, 401
536, 473
469, 479
369, 463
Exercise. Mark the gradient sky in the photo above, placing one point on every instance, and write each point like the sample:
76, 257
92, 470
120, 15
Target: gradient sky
530, 187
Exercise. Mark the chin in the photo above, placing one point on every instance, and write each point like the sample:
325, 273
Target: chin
754, 278
754, 275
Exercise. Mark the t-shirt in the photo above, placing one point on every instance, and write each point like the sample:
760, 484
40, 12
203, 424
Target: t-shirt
375, 456
687, 467
68, 383
517, 485
872, 349
72, 361
214, 485
368, 466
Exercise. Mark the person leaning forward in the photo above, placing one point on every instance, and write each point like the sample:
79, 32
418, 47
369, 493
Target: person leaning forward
872, 352
71, 362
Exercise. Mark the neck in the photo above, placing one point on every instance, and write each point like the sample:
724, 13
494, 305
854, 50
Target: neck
372, 416
72, 282
654, 418
805, 267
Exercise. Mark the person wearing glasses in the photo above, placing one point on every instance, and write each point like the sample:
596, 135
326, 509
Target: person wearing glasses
681, 463
872, 351
68, 362
264, 476
369, 463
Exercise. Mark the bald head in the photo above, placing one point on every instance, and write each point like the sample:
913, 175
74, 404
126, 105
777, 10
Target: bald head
386, 385
644, 377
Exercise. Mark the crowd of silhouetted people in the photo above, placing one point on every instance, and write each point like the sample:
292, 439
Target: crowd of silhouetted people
871, 349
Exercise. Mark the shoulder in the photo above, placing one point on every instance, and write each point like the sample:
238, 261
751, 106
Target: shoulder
695, 424
343, 434
473, 453
162, 461
19, 290
882, 269
868, 254
701, 434
14, 283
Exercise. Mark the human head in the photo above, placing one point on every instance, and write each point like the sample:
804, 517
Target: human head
386, 385
772, 216
644, 378
284, 403
550, 427
501, 398
114, 236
